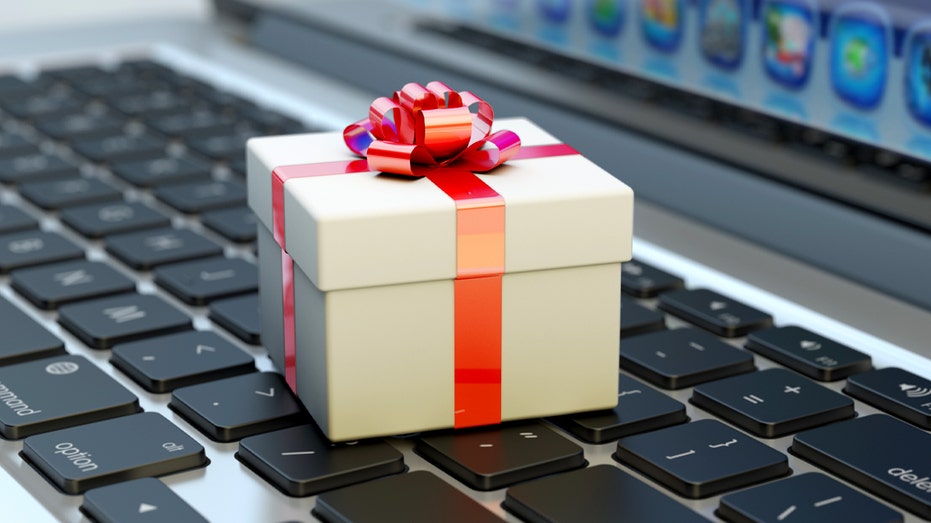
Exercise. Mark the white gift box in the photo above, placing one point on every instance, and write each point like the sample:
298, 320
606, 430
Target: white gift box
371, 275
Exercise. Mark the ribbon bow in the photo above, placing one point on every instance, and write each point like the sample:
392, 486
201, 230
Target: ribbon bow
430, 126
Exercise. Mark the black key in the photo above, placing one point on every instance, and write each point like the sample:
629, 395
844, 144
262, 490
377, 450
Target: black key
110, 451
45, 104
680, 358
637, 319
417, 497
599, 494
81, 125
236, 224
157, 171
772, 402
641, 280
23, 338
640, 408
106, 219
165, 363
153, 102
147, 249
896, 391
701, 458
233, 408
272, 122
239, 315
120, 146
299, 461
807, 497
35, 395
202, 196
489, 459
105, 322
879, 453
35, 166
14, 145
14, 219
223, 146
58, 194
191, 123
710, 310
13, 85
51, 286
77, 73
201, 281
30, 248
811, 354
138, 501
116, 84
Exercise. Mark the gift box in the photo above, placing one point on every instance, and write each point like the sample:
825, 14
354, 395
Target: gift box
444, 298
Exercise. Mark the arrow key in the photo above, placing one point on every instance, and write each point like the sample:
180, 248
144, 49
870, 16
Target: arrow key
140, 500
233, 408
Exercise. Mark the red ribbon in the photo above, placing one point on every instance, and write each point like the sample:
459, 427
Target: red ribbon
445, 136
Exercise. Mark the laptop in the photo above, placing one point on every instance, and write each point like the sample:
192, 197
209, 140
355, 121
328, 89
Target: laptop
774, 357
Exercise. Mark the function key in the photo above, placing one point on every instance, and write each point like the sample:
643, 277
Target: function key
106, 219
138, 501
403, 496
489, 459
81, 125
236, 224
811, 354
24, 338
105, 322
712, 311
36, 166
598, 494
641, 280
299, 461
15, 86
51, 286
120, 146
45, 105
637, 319
702, 458
58, 194
157, 171
239, 315
14, 219
201, 281
31, 248
77, 73
271, 121
196, 197
111, 451
896, 391
145, 250
161, 100
38, 398
226, 145
190, 123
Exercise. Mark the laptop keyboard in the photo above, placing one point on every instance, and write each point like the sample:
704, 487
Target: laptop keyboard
124, 228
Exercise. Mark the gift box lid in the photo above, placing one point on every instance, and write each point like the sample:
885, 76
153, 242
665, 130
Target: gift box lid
365, 229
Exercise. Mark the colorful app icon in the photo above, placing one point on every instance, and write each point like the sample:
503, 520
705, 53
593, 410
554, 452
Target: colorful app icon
860, 55
606, 17
723, 31
918, 74
661, 22
555, 10
790, 30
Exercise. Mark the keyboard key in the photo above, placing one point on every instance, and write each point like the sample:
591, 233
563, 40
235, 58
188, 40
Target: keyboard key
24, 338
121, 449
640, 408
223, 146
299, 461
701, 458
680, 358
45, 104
106, 219
191, 123
807, 497
36, 166
51, 286
14, 86
105, 322
200, 282
236, 224
147, 249
165, 363
120, 146
637, 319
202, 196
233, 408
30, 248
14, 219
239, 315
811, 354
896, 391
14, 144
138, 501
885, 458
714, 312
772, 402
163, 100
81, 125
36, 397
58, 194
156, 171
416, 497
599, 494
641, 280
490, 459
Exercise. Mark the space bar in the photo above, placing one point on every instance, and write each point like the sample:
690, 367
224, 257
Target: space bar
879, 453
